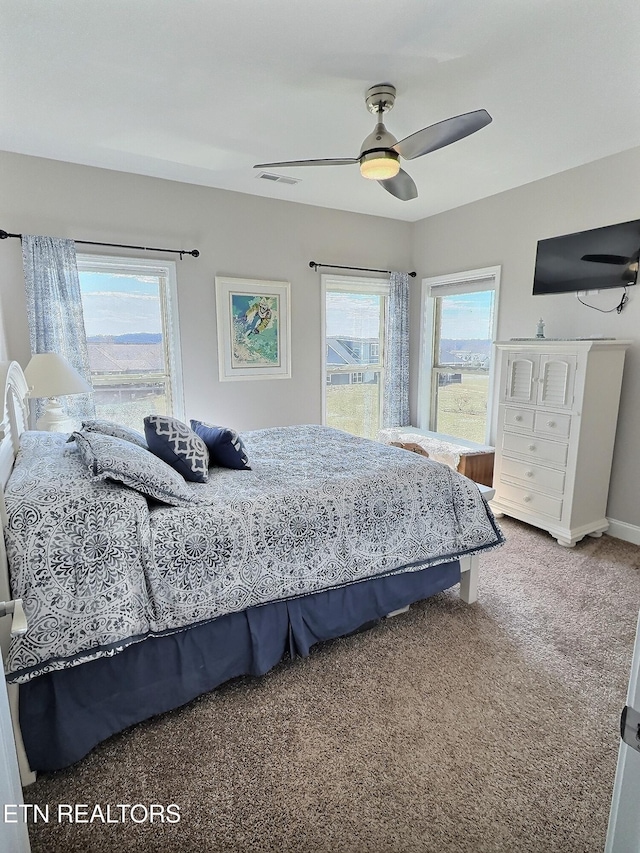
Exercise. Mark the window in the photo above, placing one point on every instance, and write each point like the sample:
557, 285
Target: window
459, 313
354, 315
131, 324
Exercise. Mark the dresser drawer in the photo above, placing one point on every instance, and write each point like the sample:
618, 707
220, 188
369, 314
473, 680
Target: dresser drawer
552, 423
530, 501
534, 475
535, 448
518, 418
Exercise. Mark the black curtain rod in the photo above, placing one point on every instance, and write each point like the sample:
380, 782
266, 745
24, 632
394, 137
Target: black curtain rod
181, 252
315, 264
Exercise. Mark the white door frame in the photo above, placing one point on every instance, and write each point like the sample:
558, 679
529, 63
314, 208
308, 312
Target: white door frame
623, 835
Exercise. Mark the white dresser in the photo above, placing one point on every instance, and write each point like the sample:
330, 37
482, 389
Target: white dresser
557, 414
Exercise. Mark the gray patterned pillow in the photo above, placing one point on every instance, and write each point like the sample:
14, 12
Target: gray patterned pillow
111, 458
116, 430
179, 446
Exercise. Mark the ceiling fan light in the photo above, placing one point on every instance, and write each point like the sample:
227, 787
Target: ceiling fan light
379, 165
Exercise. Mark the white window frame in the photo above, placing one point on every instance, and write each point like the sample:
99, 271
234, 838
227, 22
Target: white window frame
351, 284
167, 271
485, 278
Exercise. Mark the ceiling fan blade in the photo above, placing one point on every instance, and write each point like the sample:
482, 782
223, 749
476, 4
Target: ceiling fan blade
606, 259
345, 162
443, 133
402, 186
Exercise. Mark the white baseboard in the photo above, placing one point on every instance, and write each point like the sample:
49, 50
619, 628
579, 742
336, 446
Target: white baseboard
624, 530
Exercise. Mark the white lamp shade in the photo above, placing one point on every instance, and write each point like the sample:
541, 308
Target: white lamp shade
50, 375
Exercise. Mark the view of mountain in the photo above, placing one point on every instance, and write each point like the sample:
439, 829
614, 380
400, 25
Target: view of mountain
468, 345
129, 338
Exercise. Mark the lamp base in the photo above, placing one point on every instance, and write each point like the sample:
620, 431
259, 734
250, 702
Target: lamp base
54, 418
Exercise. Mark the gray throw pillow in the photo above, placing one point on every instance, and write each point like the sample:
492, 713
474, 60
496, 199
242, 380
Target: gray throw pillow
116, 430
111, 458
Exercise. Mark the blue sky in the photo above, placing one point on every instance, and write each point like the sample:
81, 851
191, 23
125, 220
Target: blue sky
465, 315
119, 304
353, 315
468, 316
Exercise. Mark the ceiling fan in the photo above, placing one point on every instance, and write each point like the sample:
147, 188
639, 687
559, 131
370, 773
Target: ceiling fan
380, 153
630, 272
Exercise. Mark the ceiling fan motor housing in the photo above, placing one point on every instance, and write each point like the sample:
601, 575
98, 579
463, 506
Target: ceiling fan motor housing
379, 140
380, 98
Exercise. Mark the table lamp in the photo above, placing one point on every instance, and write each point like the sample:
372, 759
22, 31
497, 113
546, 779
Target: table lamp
50, 375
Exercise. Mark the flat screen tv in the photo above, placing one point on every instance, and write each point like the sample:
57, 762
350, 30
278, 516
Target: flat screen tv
588, 260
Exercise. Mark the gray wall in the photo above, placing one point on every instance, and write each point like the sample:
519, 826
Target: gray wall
237, 235
253, 237
504, 229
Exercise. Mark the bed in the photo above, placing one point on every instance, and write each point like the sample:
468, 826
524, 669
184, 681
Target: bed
135, 607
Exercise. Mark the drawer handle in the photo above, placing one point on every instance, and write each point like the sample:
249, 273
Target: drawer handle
551, 423
518, 417
532, 447
527, 499
528, 473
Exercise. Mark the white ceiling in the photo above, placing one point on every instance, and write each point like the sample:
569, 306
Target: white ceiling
201, 90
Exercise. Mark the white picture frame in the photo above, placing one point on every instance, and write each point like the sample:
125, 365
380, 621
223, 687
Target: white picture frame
254, 328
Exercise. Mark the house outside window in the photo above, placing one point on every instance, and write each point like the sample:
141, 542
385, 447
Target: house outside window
456, 370
353, 323
131, 325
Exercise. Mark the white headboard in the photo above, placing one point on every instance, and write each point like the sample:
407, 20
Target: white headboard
15, 417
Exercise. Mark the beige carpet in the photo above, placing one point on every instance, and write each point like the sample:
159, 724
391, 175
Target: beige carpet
490, 727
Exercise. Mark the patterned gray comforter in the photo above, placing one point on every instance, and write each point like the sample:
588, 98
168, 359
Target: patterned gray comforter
98, 568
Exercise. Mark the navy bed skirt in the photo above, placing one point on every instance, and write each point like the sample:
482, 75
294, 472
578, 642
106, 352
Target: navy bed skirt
65, 713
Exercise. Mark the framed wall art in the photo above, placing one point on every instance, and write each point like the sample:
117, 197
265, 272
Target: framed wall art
254, 329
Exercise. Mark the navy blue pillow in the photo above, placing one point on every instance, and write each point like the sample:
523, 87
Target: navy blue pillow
224, 445
178, 446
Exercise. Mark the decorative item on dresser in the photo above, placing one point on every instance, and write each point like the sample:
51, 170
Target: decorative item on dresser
558, 408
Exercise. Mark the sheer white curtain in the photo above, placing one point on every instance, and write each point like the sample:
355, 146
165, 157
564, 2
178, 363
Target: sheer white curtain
54, 310
395, 405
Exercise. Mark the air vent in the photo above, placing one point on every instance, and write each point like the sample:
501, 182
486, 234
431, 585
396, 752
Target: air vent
269, 176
